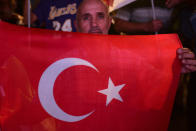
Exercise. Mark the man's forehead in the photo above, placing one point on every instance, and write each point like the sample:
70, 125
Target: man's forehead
93, 6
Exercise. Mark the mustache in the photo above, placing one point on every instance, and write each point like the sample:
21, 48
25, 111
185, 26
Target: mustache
95, 30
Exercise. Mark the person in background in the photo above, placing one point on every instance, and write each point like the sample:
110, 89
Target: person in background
122, 25
58, 15
137, 18
188, 33
8, 14
173, 3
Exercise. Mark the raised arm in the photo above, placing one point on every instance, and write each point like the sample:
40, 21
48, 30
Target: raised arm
126, 26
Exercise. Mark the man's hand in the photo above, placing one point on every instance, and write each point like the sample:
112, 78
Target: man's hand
153, 26
172, 3
187, 59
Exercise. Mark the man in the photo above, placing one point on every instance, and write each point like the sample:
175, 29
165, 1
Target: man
93, 17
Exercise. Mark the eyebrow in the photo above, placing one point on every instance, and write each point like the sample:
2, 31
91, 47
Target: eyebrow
85, 15
100, 13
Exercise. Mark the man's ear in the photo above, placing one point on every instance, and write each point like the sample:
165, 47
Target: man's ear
109, 22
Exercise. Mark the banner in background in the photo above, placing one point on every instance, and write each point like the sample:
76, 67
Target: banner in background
116, 4
54, 81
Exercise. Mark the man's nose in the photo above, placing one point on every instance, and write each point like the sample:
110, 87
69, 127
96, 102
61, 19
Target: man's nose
94, 22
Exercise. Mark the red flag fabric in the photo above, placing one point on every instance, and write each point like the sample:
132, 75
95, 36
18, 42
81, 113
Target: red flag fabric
54, 81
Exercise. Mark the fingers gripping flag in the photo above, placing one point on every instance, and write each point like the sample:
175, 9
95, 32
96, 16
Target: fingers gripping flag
55, 81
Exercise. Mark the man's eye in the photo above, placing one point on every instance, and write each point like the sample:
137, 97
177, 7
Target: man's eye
101, 15
86, 17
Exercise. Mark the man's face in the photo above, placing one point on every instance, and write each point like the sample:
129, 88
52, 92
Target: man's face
93, 18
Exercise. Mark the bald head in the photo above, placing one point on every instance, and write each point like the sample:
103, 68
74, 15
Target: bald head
93, 17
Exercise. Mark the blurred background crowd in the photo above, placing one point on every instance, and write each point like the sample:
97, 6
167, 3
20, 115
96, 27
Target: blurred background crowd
137, 19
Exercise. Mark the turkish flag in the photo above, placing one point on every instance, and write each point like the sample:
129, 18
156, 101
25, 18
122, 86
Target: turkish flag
54, 81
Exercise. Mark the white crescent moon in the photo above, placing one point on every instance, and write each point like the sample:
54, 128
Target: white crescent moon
46, 85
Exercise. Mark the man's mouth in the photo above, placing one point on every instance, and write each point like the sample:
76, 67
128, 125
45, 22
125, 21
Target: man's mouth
95, 30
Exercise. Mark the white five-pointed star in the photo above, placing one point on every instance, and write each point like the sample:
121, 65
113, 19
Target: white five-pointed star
112, 92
